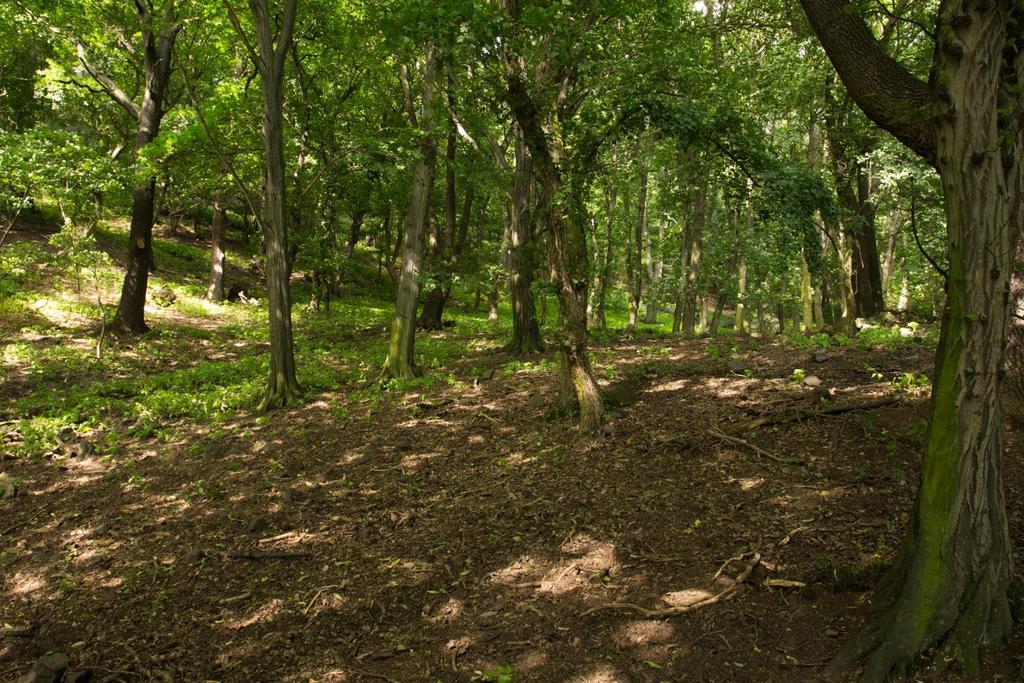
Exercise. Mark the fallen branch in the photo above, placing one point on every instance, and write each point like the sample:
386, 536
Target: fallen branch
757, 449
797, 416
681, 609
269, 556
17, 631
370, 674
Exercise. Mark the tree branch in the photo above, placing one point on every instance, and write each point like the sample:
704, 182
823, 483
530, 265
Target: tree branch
109, 86
890, 95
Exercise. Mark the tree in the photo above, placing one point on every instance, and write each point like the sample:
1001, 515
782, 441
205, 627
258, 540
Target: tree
948, 587
401, 359
269, 55
159, 31
520, 255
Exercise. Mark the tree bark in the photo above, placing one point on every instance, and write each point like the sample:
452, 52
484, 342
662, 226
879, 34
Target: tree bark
520, 256
693, 268
948, 588
354, 231
400, 362
282, 384
560, 211
158, 51
604, 266
215, 288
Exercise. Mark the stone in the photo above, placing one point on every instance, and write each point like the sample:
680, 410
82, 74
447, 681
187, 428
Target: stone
812, 381
8, 489
165, 296
906, 332
67, 435
82, 449
821, 394
256, 525
49, 668
192, 556
832, 632
739, 366
819, 356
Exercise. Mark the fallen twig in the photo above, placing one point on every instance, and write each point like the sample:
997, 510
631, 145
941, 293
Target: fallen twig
17, 631
269, 556
279, 537
24, 522
682, 609
725, 594
370, 674
320, 591
757, 449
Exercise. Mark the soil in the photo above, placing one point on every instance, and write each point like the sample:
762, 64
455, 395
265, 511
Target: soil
461, 533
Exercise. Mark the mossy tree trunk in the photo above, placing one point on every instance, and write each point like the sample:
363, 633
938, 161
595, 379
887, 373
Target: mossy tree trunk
401, 358
560, 214
948, 588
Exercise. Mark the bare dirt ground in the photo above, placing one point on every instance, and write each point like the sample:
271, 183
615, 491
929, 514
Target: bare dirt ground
459, 533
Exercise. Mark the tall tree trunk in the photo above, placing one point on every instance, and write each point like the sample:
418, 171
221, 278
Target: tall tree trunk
948, 588
560, 210
716, 317
354, 231
642, 246
895, 220
806, 296
158, 52
601, 294
741, 291
400, 362
656, 271
693, 268
282, 385
520, 256
215, 288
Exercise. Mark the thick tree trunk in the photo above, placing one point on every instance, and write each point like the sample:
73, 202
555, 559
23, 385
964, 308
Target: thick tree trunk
282, 385
400, 362
520, 257
157, 51
716, 317
948, 588
354, 231
433, 309
560, 210
599, 320
215, 288
806, 296
693, 269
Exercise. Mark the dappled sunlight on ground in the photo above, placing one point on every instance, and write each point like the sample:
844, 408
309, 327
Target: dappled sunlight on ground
457, 528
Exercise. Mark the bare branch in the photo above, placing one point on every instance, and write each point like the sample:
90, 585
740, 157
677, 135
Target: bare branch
109, 86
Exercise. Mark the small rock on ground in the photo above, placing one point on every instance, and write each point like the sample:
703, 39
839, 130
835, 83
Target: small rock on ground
49, 668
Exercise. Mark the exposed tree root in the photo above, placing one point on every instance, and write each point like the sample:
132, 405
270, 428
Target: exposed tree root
756, 449
278, 398
725, 594
665, 612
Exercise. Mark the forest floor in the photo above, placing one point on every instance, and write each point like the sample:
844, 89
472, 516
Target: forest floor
447, 529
